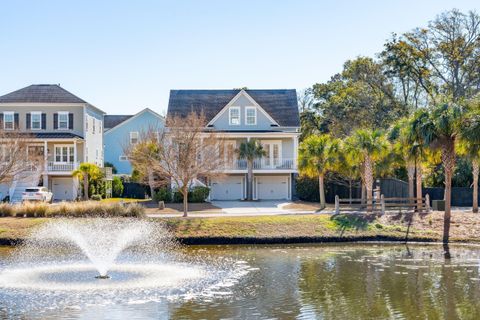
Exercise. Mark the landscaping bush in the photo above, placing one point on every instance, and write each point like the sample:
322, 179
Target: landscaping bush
84, 209
195, 195
117, 187
163, 194
307, 189
96, 197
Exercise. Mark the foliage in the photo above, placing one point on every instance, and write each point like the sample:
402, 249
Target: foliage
91, 179
163, 194
250, 150
107, 164
195, 195
117, 187
307, 189
96, 197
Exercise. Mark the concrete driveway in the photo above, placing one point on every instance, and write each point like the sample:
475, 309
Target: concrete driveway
253, 207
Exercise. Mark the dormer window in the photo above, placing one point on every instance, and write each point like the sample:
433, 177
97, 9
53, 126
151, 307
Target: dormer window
250, 116
62, 120
234, 116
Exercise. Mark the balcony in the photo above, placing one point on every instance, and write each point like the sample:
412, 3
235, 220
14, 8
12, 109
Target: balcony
262, 164
61, 167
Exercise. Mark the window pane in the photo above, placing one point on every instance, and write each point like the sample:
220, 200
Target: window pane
36, 120
8, 120
58, 154
71, 155
235, 116
63, 120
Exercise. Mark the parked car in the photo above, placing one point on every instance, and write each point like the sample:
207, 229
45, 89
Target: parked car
37, 194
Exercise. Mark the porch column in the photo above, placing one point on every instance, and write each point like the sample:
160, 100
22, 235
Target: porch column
45, 159
74, 154
295, 151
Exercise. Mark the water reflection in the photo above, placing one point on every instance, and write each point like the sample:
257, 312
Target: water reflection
355, 281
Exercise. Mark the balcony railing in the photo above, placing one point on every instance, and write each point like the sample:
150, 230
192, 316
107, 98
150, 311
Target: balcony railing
262, 164
61, 167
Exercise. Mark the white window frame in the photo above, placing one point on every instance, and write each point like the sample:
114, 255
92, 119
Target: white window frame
230, 109
255, 116
62, 113
70, 148
10, 113
134, 133
123, 158
36, 113
272, 163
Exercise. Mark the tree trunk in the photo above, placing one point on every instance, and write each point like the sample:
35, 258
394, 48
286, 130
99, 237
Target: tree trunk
369, 182
448, 159
151, 182
321, 188
185, 200
85, 186
249, 180
475, 171
410, 175
419, 186
364, 193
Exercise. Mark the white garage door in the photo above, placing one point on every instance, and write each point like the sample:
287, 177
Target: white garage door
230, 188
62, 188
272, 188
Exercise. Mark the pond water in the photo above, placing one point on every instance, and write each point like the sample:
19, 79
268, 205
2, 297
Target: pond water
328, 281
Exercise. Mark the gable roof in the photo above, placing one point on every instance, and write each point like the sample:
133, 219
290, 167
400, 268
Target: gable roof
41, 93
113, 120
280, 104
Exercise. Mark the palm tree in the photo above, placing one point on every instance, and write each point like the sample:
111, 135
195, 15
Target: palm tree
317, 155
438, 128
250, 151
87, 171
469, 147
367, 147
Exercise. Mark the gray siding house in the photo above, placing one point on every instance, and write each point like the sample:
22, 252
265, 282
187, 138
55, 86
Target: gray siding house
270, 116
64, 128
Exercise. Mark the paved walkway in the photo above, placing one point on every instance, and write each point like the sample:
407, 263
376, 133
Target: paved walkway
241, 209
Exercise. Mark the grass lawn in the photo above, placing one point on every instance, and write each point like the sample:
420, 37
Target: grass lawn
113, 200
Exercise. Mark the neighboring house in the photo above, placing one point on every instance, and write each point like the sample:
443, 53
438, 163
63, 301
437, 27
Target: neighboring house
64, 128
270, 116
123, 130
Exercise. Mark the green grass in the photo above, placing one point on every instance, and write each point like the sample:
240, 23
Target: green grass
114, 200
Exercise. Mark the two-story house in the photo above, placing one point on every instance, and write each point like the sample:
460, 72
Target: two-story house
124, 130
62, 127
270, 116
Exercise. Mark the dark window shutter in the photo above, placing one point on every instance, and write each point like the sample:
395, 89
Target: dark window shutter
1, 120
44, 121
29, 118
55, 121
16, 120
70, 121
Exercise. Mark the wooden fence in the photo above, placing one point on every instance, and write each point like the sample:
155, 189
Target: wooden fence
383, 204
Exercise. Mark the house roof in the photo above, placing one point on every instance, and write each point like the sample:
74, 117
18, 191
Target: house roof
113, 120
280, 104
41, 93
44, 135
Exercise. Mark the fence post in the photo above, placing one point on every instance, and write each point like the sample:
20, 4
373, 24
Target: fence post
427, 203
337, 205
382, 203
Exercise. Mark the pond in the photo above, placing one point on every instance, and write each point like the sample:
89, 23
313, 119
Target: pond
324, 281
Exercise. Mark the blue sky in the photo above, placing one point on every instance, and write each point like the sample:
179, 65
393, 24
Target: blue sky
123, 56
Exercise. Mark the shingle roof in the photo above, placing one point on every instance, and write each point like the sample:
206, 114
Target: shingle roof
280, 104
48, 135
41, 93
112, 120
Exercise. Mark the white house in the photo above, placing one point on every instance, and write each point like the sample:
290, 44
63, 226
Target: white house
64, 128
270, 116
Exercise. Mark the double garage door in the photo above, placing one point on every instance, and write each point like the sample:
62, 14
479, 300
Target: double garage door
266, 188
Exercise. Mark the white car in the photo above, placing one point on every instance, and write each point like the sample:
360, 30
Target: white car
37, 194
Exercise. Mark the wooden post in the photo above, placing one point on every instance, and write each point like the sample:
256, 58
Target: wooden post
427, 203
337, 205
382, 203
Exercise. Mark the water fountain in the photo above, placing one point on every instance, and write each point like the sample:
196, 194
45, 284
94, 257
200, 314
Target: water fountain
106, 260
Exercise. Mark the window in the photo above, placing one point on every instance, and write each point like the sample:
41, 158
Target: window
234, 116
63, 120
250, 116
36, 120
64, 154
133, 137
8, 121
86, 123
93, 126
123, 158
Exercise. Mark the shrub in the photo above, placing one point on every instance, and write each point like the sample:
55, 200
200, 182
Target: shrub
6, 210
163, 194
117, 187
96, 197
31, 209
198, 194
307, 189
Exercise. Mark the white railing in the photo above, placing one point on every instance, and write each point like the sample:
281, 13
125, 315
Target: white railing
262, 164
61, 167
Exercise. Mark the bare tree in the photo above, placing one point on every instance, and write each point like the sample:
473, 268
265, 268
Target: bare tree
305, 99
183, 152
16, 157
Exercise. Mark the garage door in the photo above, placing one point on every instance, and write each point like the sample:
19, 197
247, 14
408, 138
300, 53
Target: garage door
230, 188
62, 188
272, 188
